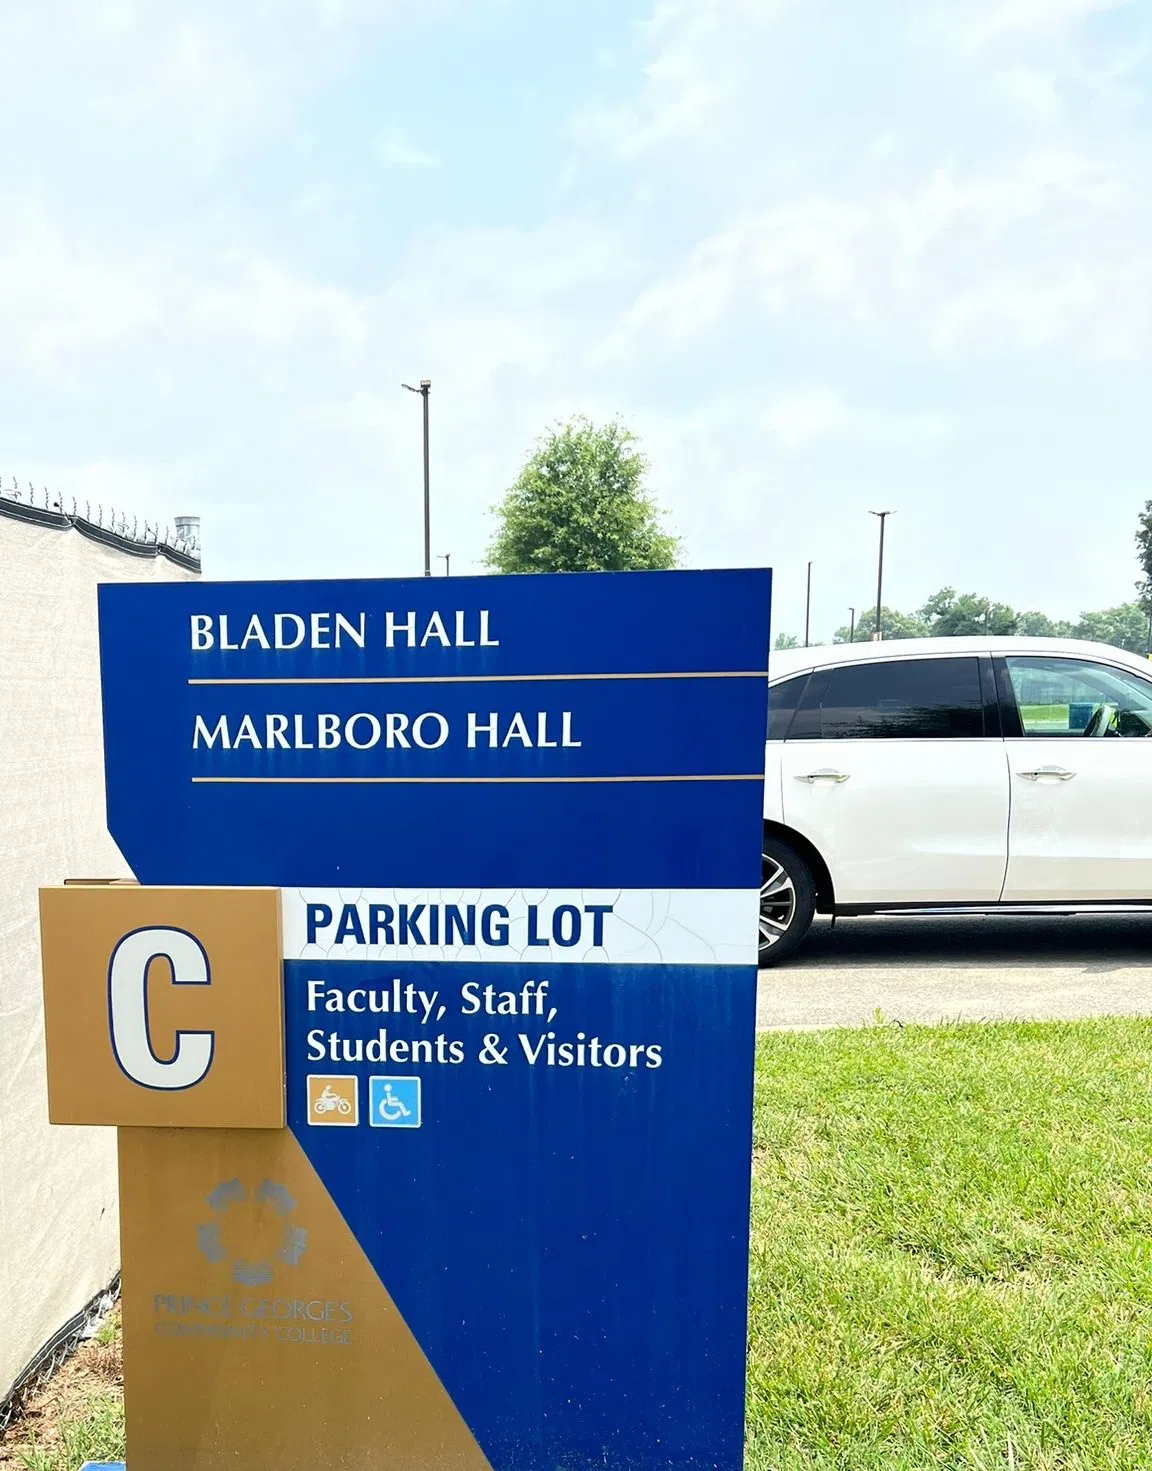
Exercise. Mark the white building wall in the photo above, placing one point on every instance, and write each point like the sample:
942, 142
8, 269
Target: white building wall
58, 1217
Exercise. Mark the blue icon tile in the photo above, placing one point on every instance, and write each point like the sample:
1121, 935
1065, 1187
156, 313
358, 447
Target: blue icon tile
394, 1103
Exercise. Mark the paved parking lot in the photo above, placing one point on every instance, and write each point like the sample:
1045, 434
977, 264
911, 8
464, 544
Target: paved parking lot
929, 970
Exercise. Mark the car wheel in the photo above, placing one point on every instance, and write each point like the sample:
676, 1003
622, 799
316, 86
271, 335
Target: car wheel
787, 902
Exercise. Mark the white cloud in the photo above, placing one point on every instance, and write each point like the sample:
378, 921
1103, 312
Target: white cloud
689, 75
185, 84
57, 295
397, 152
1034, 91
1049, 248
986, 21
961, 225
61, 298
263, 301
798, 421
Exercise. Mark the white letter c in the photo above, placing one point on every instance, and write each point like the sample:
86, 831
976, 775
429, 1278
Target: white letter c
128, 1008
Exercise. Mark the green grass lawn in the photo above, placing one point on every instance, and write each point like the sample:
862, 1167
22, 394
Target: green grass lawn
94, 1433
952, 1249
78, 1416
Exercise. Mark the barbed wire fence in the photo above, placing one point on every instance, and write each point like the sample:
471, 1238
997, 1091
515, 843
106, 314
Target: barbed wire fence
106, 518
56, 1352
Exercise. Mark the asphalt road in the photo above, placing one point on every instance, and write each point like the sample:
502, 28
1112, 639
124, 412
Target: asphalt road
930, 970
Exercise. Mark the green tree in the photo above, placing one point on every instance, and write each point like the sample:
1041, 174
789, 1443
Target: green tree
1126, 627
786, 641
1144, 553
1039, 625
579, 505
949, 614
896, 625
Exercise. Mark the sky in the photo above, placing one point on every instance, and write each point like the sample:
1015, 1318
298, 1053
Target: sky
823, 256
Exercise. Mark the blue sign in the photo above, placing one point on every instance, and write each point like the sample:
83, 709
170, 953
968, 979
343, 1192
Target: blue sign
516, 823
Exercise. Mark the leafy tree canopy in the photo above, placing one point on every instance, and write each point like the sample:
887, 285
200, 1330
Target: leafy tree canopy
579, 505
1126, 627
896, 625
1039, 625
1144, 553
948, 614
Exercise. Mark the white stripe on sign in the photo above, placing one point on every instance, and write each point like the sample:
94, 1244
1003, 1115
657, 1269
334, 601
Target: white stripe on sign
578, 926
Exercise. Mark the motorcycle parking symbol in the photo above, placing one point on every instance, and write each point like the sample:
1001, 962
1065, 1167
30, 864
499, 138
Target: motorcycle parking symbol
333, 1100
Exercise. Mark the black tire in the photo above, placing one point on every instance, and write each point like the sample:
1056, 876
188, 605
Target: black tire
787, 902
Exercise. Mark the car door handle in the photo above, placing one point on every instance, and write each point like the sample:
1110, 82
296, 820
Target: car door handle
1061, 773
826, 774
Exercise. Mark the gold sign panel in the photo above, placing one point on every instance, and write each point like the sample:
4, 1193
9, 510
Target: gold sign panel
257, 1336
163, 1007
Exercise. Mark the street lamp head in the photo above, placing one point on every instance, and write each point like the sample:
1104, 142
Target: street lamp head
409, 387
425, 382
881, 513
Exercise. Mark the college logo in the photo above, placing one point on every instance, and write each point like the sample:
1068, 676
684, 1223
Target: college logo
215, 1238
333, 1099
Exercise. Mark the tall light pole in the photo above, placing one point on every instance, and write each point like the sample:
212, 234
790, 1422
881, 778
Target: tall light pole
446, 558
808, 606
852, 626
879, 633
424, 390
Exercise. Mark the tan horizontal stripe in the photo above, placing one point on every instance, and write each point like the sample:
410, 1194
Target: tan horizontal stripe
452, 780
493, 678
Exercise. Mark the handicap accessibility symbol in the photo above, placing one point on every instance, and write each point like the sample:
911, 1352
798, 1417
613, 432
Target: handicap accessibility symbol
394, 1103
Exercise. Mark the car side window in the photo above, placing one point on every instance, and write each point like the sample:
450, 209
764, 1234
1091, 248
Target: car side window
904, 699
1077, 697
782, 701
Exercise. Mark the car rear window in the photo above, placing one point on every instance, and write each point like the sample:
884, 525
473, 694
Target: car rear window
906, 699
782, 701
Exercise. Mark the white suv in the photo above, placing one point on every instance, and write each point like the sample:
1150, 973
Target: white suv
970, 774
